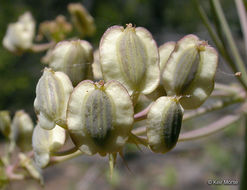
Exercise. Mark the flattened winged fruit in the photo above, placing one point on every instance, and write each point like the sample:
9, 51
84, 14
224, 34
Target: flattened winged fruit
99, 117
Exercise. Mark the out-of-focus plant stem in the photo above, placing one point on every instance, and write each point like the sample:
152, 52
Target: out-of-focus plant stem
41, 47
236, 64
232, 46
214, 37
238, 97
212, 128
243, 182
243, 20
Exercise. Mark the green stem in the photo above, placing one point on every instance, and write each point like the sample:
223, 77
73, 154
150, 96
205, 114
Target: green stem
137, 140
225, 27
243, 20
243, 182
65, 152
214, 37
195, 113
219, 104
56, 160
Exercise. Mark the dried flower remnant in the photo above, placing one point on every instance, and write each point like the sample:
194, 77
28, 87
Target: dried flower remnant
19, 36
74, 58
52, 94
100, 117
130, 56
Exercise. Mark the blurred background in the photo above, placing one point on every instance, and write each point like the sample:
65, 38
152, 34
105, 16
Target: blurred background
190, 164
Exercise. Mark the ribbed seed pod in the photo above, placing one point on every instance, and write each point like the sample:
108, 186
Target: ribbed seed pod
22, 130
164, 121
97, 74
74, 58
133, 54
46, 141
82, 20
165, 52
189, 71
52, 94
99, 117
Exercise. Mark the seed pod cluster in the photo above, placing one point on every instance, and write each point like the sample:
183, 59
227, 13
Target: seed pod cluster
188, 70
164, 121
99, 117
52, 94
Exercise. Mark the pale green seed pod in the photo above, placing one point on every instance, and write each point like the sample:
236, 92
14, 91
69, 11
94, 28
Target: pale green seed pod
52, 95
82, 20
130, 56
74, 58
165, 52
190, 71
5, 122
22, 130
164, 121
45, 142
97, 74
100, 117
20, 34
